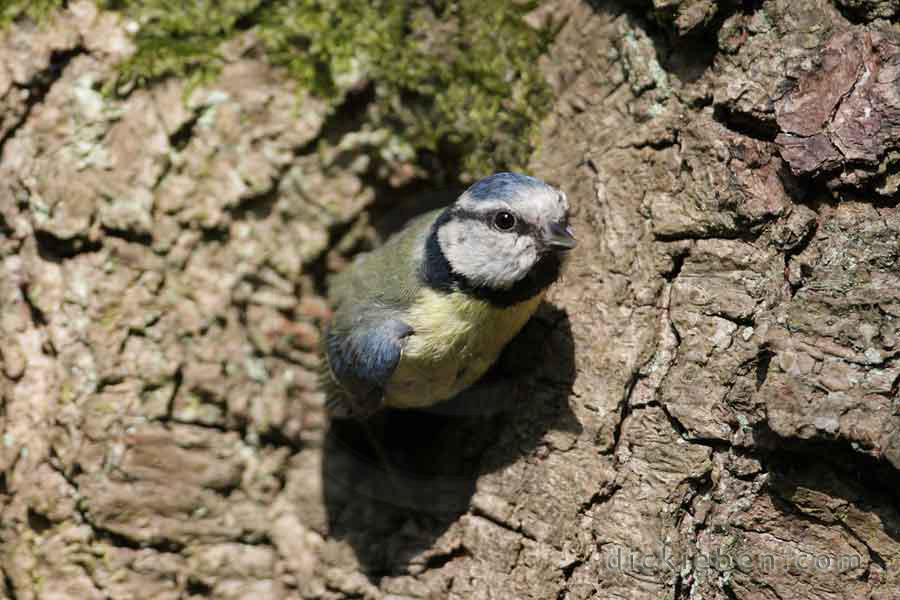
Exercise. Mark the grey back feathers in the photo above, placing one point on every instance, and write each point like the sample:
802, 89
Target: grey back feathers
364, 339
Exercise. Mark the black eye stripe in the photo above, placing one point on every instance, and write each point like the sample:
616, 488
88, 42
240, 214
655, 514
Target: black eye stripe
462, 214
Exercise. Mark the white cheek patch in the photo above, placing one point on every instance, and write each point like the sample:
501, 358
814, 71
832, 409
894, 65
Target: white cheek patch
486, 257
527, 256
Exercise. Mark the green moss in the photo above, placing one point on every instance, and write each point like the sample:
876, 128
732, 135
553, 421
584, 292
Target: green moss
179, 39
454, 79
36, 10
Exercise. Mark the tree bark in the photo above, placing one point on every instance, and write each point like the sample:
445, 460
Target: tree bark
706, 406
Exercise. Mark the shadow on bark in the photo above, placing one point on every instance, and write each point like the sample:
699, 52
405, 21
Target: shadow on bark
393, 485
826, 481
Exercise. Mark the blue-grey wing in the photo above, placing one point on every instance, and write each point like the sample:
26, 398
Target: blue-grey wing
362, 361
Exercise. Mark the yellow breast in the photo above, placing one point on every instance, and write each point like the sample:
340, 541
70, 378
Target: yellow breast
457, 338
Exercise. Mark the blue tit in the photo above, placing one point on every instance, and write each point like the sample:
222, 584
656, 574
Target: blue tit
421, 318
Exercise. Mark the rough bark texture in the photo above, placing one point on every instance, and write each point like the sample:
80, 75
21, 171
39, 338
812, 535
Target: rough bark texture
716, 377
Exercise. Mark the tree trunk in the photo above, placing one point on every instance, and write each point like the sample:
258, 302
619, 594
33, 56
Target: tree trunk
706, 406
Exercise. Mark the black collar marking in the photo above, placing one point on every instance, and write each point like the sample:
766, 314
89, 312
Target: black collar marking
439, 275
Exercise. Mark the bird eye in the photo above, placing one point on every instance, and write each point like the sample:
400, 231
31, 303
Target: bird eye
504, 221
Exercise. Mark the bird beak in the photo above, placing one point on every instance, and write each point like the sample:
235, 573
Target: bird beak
558, 237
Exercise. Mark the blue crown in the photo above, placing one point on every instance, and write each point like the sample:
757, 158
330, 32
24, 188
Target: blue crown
503, 185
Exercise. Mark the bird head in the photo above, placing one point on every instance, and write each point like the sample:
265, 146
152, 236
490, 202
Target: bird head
503, 230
